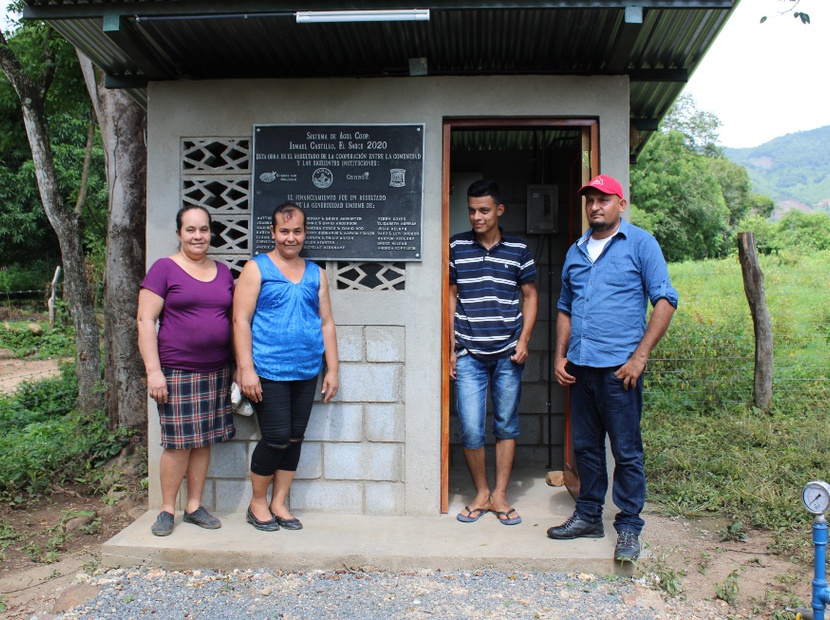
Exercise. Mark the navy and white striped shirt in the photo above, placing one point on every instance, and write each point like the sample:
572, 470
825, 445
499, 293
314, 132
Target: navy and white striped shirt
488, 319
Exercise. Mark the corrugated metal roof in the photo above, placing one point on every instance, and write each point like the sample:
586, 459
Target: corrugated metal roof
137, 41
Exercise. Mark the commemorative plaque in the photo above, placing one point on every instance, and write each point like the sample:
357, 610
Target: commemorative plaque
361, 187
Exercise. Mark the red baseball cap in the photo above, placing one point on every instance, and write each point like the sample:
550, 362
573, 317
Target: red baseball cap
605, 184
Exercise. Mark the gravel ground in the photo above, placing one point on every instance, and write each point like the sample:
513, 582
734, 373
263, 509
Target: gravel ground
156, 593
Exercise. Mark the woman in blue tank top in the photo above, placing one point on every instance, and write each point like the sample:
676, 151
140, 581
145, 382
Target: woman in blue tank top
283, 330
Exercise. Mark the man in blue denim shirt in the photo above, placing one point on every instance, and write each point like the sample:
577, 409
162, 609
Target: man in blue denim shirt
602, 345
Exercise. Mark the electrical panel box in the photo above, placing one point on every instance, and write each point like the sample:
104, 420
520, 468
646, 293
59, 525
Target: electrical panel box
542, 209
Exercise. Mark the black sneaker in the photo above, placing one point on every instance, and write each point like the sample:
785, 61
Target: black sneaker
163, 525
576, 527
628, 547
202, 518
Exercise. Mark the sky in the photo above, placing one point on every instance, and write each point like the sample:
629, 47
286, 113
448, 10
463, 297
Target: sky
764, 80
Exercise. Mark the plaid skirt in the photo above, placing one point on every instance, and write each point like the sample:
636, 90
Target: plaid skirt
198, 409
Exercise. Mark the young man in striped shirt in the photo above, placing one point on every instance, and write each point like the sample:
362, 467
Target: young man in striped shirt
493, 307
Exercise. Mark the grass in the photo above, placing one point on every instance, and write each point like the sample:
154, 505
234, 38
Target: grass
45, 546
707, 448
661, 575
729, 589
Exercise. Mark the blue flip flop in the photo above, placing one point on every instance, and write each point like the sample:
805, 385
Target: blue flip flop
469, 518
509, 520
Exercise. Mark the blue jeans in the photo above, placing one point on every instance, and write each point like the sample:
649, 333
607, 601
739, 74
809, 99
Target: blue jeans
472, 378
600, 405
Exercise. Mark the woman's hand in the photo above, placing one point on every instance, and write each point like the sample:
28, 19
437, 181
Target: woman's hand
157, 386
330, 386
250, 385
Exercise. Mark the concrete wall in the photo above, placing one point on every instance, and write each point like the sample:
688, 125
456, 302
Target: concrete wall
377, 448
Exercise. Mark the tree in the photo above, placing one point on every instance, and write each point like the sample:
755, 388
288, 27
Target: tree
26, 237
762, 205
686, 193
804, 17
677, 198
122, 123
32, 86
699, 128
114, 207
806, 232
801, 233
735, 187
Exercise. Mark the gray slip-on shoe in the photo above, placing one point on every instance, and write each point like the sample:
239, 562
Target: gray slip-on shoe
263, 526
289, 524
202, 518
163, 525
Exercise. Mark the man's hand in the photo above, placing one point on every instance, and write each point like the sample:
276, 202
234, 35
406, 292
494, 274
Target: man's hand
658, 323
630, 372
520, 356
562, 375
453, 360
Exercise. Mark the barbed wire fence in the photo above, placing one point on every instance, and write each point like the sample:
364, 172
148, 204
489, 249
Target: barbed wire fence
13, 371
707, 358
10, 382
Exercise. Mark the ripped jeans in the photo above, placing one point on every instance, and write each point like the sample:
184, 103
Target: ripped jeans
283, 415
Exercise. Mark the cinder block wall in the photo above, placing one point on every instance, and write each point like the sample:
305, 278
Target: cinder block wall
353, 451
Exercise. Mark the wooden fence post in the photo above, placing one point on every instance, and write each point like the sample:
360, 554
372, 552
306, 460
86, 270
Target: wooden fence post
754, 288
53, 293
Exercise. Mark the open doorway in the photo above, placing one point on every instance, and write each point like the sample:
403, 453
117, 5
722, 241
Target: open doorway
539, 165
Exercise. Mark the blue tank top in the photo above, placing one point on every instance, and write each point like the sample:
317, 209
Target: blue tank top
286, 327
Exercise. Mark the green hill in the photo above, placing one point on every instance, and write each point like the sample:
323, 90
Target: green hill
794, 170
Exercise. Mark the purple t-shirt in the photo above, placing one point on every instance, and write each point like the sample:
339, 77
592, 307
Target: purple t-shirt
195, 322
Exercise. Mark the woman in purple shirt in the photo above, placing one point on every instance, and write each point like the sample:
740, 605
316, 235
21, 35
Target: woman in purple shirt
187, 363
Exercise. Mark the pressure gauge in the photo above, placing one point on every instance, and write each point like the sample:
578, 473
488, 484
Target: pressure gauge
816, 497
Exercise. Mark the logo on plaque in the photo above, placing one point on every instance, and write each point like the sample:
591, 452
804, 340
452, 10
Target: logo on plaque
268, 177
322, 178
397, 177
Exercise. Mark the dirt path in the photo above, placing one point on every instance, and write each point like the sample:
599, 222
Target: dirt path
692, 555
14, 371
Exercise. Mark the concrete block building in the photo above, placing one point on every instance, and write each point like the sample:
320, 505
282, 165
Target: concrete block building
540, 96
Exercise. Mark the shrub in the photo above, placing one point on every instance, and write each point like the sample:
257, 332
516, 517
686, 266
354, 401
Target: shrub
50, 343
31, 276
44, 441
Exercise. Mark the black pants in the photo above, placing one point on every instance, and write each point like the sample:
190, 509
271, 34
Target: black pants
283, 415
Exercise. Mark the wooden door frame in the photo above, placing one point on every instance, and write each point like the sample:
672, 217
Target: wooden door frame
590, 168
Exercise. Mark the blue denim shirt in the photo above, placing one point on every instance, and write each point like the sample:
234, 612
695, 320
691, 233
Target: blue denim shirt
607, 299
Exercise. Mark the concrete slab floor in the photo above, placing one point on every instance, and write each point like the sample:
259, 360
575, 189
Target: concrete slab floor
336, 541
